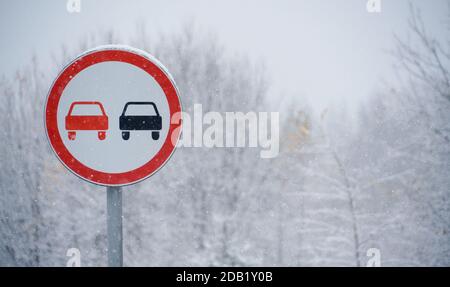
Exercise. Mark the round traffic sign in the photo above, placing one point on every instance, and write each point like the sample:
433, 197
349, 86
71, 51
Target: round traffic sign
108, 115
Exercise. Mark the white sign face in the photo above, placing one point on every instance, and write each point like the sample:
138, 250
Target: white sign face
113, 84
108, 116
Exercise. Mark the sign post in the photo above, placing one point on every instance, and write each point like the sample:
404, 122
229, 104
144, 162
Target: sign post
108, 118
114, 226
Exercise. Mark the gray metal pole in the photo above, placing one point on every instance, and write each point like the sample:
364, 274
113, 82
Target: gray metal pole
114, 226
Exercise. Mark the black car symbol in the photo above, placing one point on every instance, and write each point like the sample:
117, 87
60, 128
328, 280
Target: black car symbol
150, 120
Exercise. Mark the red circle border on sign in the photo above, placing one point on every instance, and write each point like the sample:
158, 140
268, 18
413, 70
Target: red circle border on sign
126, 55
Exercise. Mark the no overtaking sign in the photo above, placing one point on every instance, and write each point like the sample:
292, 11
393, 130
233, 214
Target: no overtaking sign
108, 115
108, 119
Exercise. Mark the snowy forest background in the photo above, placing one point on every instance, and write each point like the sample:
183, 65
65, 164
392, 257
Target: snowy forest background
342, 184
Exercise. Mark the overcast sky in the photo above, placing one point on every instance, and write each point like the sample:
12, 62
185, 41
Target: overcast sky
328, 50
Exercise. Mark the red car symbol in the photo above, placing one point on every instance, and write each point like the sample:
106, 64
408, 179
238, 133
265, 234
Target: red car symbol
96, 122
